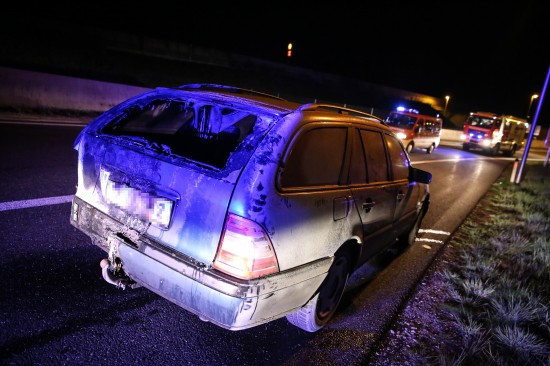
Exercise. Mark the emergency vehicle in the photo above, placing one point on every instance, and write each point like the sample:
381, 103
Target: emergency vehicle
416, 131
494, 133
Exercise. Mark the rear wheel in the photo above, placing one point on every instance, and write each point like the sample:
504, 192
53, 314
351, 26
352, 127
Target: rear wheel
430, 149
410, 147
320, 309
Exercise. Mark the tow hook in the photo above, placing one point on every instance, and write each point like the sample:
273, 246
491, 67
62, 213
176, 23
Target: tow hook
110, 277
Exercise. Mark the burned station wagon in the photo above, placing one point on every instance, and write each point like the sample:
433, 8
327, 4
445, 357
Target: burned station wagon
242, 207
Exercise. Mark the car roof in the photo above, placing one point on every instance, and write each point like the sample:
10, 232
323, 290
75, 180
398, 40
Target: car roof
413, 114
276, 103
258, 99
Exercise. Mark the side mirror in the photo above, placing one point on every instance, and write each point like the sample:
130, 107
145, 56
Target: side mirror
419, 175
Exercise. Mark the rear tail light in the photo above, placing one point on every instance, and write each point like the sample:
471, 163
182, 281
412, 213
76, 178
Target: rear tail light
245, 250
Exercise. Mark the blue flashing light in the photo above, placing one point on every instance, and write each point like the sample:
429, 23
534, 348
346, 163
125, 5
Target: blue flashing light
403, 109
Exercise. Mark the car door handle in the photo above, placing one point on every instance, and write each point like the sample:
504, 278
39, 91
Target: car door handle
368, 205
400, 196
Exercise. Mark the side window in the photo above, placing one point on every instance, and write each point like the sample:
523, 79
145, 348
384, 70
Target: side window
316, 158
358, 168
375, 156
399, 161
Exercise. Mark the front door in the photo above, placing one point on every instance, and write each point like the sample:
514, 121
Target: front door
372, 190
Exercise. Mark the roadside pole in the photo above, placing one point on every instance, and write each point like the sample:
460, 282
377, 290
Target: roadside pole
547, 145
514, 170
532, 129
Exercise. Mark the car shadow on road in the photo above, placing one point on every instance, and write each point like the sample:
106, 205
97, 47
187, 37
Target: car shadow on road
367, 272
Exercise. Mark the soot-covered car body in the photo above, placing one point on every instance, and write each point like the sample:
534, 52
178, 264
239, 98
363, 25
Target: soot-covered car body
239, 206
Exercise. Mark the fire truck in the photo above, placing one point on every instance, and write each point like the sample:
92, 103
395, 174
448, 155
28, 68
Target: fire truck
494, 133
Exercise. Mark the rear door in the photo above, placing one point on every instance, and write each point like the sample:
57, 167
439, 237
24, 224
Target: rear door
421, 135
429, 135
314, 214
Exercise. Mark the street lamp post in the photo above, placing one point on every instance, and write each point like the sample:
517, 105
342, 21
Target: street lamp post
534, 96
447, 97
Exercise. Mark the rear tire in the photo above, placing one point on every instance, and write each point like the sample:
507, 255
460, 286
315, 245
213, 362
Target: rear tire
320, 309
430, 149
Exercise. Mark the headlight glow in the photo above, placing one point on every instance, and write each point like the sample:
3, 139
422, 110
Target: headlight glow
401, 136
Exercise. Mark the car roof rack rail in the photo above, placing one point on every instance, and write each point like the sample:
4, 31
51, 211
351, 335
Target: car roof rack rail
228, 88
340, 110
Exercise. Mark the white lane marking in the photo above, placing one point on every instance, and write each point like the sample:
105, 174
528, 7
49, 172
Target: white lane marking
430, 240
16, 205
452, 159
430, 231
456, 160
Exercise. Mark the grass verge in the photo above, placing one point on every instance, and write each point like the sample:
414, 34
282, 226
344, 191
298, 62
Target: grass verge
487, 299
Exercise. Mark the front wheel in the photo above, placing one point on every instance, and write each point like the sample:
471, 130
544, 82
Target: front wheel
512, 151
407, 240
320, 309
410, 147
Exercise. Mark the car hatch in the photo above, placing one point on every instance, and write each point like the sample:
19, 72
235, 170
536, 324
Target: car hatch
168, 170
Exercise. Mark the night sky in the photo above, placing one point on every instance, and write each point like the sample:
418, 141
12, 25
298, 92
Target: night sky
484, 54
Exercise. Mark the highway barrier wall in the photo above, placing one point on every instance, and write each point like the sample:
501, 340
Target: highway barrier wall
30, 90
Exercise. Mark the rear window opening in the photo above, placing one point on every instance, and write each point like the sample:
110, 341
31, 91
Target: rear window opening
203, 133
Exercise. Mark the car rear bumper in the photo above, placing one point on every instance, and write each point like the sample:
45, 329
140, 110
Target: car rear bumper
226, 301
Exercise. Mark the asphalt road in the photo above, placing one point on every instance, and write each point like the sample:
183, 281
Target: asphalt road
55, 308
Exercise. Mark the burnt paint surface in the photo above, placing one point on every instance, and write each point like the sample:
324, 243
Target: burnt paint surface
201, 194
